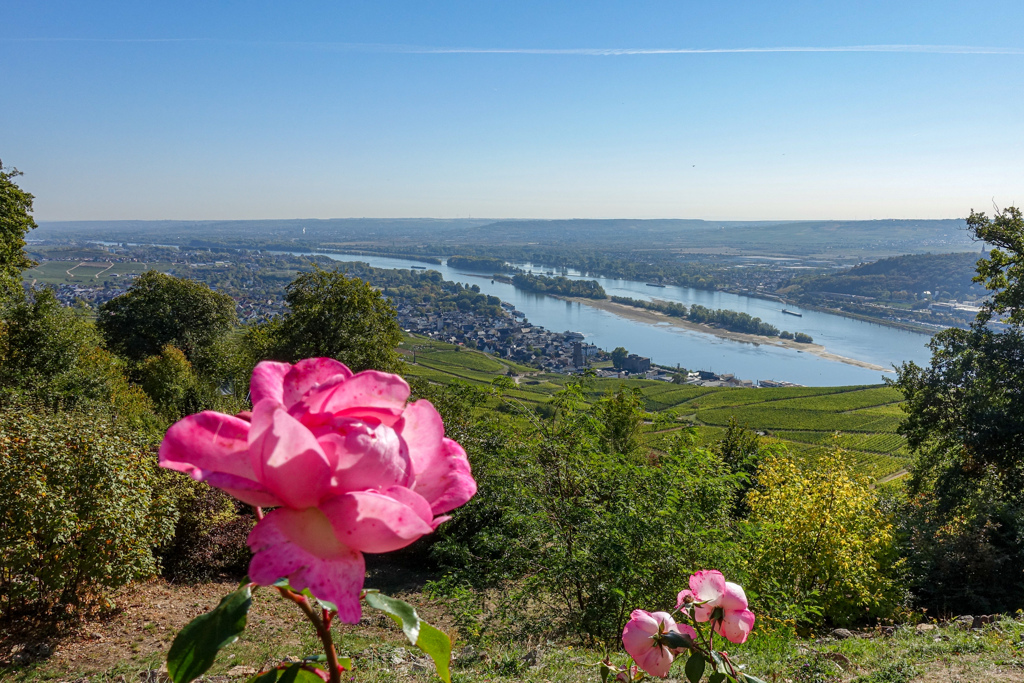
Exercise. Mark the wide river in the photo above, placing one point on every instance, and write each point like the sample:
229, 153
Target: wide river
666, 344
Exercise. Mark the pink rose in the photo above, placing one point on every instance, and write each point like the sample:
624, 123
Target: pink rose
641, 639
349, 466
734, 621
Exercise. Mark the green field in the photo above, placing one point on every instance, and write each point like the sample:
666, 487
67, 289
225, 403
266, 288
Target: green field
88, 272
860, 419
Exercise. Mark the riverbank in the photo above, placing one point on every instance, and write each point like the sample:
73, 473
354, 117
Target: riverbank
654, 317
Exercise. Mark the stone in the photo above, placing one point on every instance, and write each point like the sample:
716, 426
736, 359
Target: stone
241, 671
922, 628
841, 634
965, 621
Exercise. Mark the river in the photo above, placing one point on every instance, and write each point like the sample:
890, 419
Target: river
666, 344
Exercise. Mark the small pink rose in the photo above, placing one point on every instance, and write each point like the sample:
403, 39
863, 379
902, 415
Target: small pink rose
641, 639
735, 621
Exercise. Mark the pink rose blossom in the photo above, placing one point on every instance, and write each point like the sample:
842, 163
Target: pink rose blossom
640, 638
350, 467
711, 588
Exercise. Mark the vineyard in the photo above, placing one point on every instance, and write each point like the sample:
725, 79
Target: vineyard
860, 419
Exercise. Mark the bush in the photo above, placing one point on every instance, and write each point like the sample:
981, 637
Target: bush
576, 534
823, 546
802, 338
210, 535
82, 508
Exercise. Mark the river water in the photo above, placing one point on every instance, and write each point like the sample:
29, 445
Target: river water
666, 344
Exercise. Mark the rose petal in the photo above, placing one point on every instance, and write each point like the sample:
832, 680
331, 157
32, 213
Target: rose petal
415, 501
245, 490
368, 389
733, 599
267, 381
450, 484
205, 443
422, 431
300, 545
681, 598
736, 626
307, 374
373, 522
707, 586
286, 456
363, 457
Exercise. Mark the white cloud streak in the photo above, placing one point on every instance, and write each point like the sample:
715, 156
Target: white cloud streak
583, 52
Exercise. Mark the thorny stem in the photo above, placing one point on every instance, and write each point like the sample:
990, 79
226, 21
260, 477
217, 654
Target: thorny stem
322, 624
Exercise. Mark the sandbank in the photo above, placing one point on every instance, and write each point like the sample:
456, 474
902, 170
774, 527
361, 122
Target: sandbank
648, 316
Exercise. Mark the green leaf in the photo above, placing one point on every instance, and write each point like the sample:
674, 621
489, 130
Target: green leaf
345, 663
196, 646
717, 678
747, 678
695, 667
287, 673
421, 634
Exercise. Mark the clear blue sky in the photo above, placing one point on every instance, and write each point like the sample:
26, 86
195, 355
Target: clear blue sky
251, 109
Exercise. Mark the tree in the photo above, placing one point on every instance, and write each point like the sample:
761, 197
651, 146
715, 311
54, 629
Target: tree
618, 356
160, 309
622, 418
15, 222
965, 421
338, 317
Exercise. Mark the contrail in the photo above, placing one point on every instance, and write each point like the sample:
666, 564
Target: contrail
583, 51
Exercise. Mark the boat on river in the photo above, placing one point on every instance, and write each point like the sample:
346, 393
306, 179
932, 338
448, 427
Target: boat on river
654, 284
787, 312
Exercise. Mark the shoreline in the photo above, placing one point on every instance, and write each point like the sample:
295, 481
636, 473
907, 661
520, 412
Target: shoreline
647, 316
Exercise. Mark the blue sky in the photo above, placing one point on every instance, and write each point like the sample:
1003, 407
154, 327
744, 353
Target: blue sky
334, 109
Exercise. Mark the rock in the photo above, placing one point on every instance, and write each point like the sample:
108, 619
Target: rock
922, 628
888, 630
155, 675
241, 672
966, 621
841, 634
532, 658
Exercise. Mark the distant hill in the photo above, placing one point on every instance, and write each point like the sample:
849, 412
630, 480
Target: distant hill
937, 273
816, 239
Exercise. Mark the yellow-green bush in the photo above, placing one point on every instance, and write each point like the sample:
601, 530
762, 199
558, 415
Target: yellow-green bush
823, 548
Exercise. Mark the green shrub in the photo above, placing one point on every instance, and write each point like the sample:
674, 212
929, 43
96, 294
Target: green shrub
570, 535
82, 510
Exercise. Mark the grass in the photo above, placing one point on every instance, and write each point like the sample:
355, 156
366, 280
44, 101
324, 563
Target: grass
132, 642
85, 273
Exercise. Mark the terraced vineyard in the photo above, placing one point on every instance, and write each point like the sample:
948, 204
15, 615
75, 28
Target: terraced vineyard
861, 419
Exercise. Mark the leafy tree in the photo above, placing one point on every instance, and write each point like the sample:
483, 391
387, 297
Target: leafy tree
823, 547
170, 381
622, 418
160, 309
51, 353
741, 450
15, 222
965, 421
618, 357
338, 317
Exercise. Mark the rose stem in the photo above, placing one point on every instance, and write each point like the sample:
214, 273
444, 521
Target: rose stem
323, 630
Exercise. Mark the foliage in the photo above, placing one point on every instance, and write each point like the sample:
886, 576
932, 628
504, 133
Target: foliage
481, 263
210, 534
579, 534
588, 289
621, 417
15, 221
822, 543
619, 355
965, 421
52, 354
168, 379
160, 309
338, 317
802, 338
82, 507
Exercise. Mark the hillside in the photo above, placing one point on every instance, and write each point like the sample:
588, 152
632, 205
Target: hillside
804, 418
